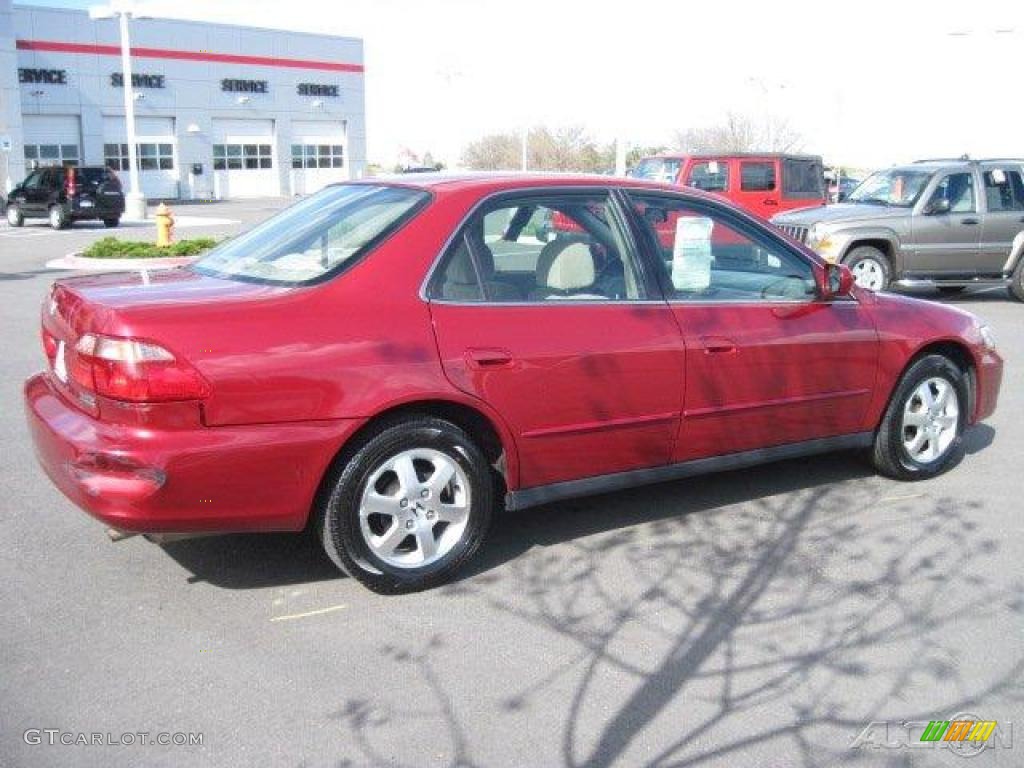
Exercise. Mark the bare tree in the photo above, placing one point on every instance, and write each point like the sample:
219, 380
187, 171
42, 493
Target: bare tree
567, 148
741, 133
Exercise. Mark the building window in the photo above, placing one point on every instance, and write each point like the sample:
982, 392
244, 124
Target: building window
38, 155
152, 157
318, 156
242, 157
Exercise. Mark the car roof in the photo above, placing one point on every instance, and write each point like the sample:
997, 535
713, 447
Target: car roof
496, 181
720, 155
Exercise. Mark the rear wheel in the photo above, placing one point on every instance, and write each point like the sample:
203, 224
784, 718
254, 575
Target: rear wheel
111, 223
59, 218
921, 432
870, 267
14, 216
409, 508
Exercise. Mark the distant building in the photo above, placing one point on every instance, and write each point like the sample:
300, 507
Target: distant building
221, 111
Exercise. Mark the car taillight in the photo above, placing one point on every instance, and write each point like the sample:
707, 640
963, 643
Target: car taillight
133, 370
70, 183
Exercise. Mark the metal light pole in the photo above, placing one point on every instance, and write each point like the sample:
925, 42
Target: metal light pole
135, 202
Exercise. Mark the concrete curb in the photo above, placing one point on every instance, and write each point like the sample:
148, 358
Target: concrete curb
79, 262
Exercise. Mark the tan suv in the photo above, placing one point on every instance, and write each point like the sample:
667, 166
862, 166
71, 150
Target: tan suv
944, 223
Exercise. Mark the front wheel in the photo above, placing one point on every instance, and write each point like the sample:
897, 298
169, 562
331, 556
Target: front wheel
870, 267
921, 432
410, 507
1017, 281
111, 223
14, 216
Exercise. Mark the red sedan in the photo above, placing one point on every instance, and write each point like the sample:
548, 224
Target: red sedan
389, 361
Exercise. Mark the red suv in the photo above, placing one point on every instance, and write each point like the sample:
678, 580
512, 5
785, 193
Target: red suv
764, 184
388, 362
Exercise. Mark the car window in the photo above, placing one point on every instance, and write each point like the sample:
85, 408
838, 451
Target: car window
757, 176
958, 189
707, 258
318, 236
802, 179
539, 250
657, 169
34, 180
1003, 190
895, 187
710, 176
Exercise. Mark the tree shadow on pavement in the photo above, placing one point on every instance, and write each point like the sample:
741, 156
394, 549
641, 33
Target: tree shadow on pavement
755, 618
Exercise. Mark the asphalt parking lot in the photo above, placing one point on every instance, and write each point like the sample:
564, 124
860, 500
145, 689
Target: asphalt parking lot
755, 618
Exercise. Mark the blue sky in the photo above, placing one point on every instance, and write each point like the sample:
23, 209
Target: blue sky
869, 83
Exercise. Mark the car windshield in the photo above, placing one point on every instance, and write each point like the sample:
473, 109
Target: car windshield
657, 169
315, 237
898, 187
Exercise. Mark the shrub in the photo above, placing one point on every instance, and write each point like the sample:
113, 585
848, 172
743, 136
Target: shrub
112, 248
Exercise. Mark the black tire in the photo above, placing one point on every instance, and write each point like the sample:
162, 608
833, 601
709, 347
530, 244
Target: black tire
111, 223
1017, 281
59, 218
338, 519
14, 216
890, 456
864, 253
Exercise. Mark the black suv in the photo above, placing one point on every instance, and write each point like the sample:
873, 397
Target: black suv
65, 195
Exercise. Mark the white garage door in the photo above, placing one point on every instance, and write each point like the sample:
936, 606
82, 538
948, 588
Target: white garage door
157, 148
52, 140
318, 155
243, 159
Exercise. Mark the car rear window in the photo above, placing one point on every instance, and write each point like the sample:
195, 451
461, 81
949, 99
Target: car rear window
317, 237
802, 179
92, 176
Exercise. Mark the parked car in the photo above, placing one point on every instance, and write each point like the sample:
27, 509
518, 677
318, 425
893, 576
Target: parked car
942, 223
763, 184
66, 195
386, 362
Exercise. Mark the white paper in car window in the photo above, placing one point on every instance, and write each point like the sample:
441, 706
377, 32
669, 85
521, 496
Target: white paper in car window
691, 254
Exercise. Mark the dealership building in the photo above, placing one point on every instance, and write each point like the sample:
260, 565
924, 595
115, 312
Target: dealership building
220, 111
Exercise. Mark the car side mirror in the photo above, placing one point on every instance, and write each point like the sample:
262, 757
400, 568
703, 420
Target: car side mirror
937, 207
837, 281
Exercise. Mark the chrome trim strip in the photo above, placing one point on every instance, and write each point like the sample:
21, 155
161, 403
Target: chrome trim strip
601, 426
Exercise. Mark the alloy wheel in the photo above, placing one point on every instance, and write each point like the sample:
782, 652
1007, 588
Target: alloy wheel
931, 416
415, 508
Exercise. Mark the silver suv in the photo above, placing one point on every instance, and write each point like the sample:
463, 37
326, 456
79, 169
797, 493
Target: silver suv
945, 223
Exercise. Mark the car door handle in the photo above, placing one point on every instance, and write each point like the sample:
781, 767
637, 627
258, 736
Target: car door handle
488, 358
717, 345
968, 222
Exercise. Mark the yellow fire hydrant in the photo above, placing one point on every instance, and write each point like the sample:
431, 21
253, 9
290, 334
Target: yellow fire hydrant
164, 226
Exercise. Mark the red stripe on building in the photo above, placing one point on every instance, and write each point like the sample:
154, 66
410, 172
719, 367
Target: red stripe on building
170, 53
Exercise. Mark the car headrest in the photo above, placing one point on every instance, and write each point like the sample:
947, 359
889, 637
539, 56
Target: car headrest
570, 267
460, 268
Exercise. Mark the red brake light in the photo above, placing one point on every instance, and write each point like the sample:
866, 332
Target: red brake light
70, 185
49, 345
133, 370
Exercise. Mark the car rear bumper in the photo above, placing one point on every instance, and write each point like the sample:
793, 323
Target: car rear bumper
204, 479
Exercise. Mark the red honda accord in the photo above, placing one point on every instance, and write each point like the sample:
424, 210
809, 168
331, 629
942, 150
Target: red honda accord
389, 361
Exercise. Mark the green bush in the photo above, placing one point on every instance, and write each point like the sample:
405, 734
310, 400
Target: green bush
112, 248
